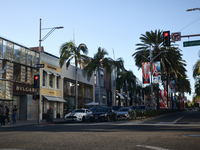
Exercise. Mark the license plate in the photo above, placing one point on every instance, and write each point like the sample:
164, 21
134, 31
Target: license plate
95, 117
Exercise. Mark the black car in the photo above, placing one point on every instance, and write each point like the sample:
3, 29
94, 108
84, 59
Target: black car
103, 114
115, 108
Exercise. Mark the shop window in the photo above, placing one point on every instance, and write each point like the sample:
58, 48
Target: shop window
17, 53
69, 88
87, 92
51, 80
1, 48
17, 72
44, 78
58, 82
79, 89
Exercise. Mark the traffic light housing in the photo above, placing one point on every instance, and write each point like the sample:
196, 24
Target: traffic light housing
36, 81
36, 96
166, 38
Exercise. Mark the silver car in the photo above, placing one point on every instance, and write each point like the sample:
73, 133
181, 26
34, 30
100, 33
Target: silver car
123, 112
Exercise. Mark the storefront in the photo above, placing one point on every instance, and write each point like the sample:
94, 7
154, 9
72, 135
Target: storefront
16, 78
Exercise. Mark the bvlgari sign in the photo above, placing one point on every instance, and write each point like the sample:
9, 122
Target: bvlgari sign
24, 89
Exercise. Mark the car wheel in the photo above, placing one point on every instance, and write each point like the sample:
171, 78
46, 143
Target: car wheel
115, 119
108, 119
83, 119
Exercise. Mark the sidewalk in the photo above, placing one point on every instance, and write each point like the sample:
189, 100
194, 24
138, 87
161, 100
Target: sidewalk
32, 122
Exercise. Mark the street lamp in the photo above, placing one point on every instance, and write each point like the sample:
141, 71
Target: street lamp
192, 9
40, 40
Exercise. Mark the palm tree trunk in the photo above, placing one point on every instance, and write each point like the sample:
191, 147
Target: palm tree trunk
99, 86
76, 88
126, 93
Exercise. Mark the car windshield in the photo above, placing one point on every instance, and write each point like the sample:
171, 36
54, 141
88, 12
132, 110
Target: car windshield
101, 110
140, 107
123, 109
78, 110
93, 109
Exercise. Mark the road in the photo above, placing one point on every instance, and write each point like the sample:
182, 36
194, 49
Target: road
169, 132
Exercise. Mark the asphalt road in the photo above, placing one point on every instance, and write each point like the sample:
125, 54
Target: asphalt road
178, 131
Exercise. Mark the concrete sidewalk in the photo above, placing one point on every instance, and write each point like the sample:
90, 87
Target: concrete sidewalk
31, 122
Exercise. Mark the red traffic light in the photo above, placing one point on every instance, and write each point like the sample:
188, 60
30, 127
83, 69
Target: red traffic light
166, 34
36, 77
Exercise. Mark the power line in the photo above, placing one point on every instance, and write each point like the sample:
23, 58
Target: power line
189, 24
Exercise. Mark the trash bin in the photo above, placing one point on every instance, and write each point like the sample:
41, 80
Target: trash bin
49, 117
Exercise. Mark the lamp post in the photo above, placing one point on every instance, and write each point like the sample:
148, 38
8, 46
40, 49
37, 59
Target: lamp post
192, 9
40, 40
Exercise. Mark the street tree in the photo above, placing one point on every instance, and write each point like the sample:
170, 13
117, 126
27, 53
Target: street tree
68, 52
96, 63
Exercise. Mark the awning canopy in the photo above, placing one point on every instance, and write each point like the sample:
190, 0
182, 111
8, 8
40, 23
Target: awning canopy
120, 95
54, 98
128, 97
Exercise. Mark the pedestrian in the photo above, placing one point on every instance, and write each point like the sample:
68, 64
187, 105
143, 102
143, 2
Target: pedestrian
3, 115
7, 114
0, 113
14, 115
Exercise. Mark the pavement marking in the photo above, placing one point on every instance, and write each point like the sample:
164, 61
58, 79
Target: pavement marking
178, 119
152, 147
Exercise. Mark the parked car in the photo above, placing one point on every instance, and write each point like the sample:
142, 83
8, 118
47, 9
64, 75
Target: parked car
115, 108
77, 115
103, 114
92, 110
141, 108
124, 112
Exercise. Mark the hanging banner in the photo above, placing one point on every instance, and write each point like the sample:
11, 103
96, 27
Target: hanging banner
156, 72
172, 85
145, 73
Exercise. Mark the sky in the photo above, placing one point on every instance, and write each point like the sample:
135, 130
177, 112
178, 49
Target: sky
115, 25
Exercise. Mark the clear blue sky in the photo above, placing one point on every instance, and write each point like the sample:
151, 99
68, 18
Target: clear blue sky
110, 24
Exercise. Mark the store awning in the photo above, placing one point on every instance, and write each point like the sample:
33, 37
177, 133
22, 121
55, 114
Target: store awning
120, 95
128, 97
54, 98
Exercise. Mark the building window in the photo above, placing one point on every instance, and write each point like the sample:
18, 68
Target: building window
95, 80
51, 80
44, 78
69, 88
58, 82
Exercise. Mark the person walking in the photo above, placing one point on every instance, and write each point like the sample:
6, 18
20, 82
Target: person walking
3, 115
14, 115
7, 114
0, 113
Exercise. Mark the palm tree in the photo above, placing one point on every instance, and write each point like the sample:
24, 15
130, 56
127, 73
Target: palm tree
196, 70
96, 63
69, 51
170, 57
127, 79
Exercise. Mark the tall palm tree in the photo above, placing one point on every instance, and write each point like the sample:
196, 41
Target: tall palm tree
68, 52
96, 63
170, 57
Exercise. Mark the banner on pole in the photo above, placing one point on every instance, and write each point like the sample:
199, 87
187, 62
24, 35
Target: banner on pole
145, 73
156, 72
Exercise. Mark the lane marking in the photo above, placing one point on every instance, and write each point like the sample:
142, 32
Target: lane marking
178, 119
152, 147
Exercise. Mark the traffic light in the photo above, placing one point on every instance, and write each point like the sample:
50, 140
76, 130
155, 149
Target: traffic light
36, 96
36, 81
166, 38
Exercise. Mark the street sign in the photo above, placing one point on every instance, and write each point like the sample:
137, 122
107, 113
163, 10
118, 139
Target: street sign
191, 43
176, 36
39, 66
